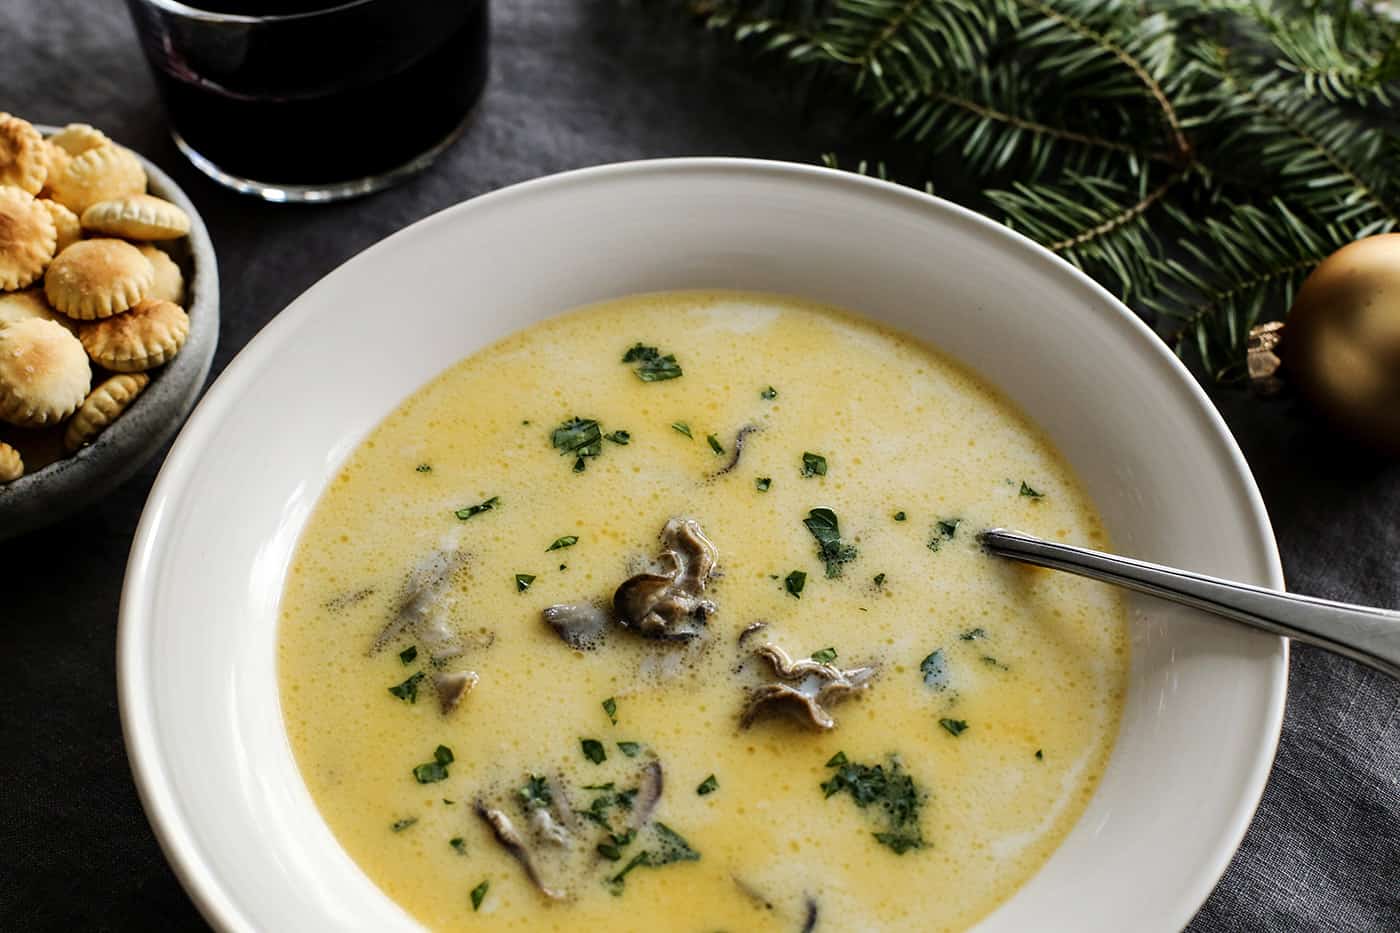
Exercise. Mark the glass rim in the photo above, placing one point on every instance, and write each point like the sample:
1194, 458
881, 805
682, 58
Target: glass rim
191, 12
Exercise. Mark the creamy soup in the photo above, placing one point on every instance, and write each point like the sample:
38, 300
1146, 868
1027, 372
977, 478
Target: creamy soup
669, 613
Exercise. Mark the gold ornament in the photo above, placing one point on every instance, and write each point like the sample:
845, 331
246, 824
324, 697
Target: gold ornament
1341, 345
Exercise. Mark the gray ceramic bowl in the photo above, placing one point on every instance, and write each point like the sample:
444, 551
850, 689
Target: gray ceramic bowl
66, 485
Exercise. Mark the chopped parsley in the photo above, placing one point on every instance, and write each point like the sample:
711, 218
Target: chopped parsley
622, 438
399, 826
824, 527
593, 750
707, 786
714, 443
630, 749
435, 770
900, 516
479, 894
943, 530
612, 849
407, 655
671, 847
1029, 492
769, 393
879, 579
523, 581
824, 656
1039, 754
566, 541
955, 727
763, 483
458, 844
674, 848
794, 582
535, 793
580, 437
935, 670
813, 464
973, 634
610, 707
990, 661
682, 427
489, 505
895, 797
652, 366
408, 690
424, 468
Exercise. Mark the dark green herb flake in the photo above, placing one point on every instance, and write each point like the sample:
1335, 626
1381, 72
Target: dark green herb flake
566, 541
593, 751
769, 393
831, 549
674, 848
612, 849
955, 727
973, 634
895, 798
934, 668
399, 826
879, 579
1039, 754
408, 690
435, 770
535, 793
458, 844
1029, 492
682, 428
943, 530
651, 365
523, 581
813, 464
424, 468
763, 483
794, 582
488, 506
407, 655
714, 443
707, 786
610, 707
580, 438
630, 749
990, 661
900, 516
479, 894
622, 438
824, 656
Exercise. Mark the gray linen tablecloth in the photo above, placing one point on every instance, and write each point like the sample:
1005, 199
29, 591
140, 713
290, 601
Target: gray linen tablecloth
574, 84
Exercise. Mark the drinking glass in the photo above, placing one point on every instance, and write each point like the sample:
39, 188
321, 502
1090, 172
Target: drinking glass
309, 100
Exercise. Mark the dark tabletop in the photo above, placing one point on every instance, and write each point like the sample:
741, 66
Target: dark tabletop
573, 84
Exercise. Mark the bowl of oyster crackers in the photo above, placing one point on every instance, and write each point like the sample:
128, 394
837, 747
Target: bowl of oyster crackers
109, 315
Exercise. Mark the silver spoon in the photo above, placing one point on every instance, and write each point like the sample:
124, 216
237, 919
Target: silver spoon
1371, 636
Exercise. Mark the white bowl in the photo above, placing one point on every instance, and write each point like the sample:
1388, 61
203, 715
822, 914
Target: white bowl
197, 664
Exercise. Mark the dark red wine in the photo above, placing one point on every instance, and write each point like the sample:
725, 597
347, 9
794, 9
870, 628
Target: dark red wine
337, 93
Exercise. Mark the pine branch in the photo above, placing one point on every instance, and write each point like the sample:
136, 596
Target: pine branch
1199, 156
1098, 225
1235, 268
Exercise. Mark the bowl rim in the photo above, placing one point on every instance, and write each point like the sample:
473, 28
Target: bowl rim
114, 456
154, 786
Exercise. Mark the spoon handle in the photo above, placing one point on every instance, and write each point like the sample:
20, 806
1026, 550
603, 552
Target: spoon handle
1371, 636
